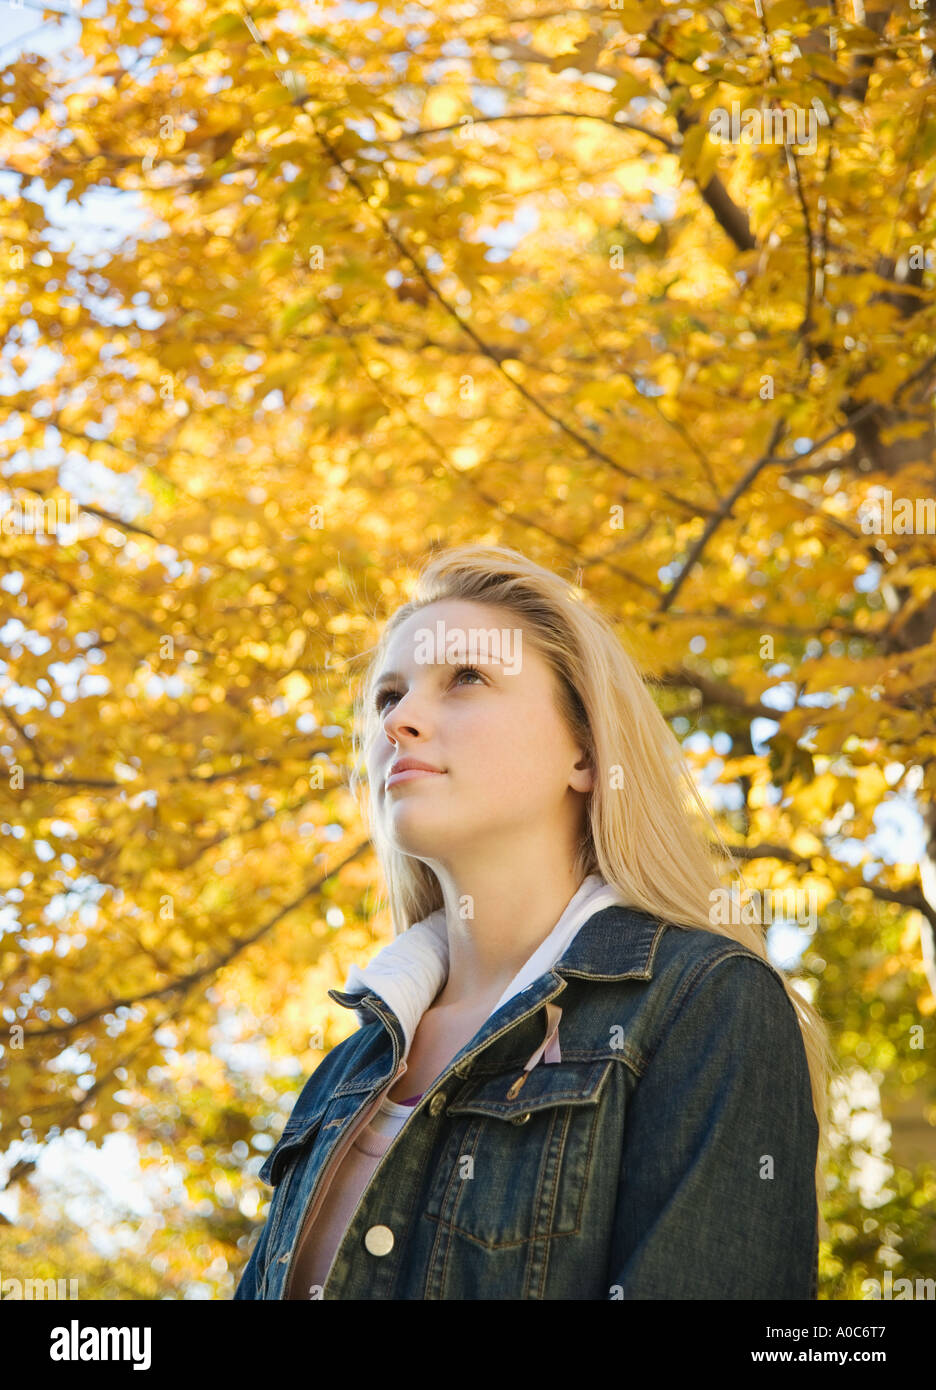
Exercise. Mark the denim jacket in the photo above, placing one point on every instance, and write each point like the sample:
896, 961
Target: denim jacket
670, 1154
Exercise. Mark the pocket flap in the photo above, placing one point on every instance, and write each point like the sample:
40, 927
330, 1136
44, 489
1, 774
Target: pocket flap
546, 1085
298, 1129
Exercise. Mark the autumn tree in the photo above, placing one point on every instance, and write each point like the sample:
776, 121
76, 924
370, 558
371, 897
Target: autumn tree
644, 290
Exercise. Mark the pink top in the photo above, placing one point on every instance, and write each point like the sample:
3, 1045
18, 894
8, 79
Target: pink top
352, 1173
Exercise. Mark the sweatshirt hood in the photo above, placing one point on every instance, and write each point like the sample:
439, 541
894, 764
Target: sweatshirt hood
409, 972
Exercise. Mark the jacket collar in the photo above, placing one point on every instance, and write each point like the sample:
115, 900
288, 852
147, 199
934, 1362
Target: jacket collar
617, 943
597, 937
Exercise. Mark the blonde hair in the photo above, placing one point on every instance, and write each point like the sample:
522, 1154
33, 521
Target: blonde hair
651, 835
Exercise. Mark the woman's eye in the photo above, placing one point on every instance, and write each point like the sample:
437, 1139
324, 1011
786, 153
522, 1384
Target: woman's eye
382, 696
468, 671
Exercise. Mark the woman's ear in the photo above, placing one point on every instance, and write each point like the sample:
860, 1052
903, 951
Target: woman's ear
583, 776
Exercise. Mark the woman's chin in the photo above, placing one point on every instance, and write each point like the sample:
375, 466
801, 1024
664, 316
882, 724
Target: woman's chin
415, 832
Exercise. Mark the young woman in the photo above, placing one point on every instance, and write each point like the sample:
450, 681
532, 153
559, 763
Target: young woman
570, 1081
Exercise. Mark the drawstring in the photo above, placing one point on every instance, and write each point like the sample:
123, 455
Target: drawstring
548, 1049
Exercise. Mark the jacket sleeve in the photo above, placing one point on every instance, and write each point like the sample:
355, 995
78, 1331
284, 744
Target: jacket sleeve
717, 1195
252, 1276
252, 1279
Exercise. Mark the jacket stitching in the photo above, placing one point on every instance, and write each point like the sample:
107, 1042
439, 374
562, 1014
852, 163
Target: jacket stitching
689, 986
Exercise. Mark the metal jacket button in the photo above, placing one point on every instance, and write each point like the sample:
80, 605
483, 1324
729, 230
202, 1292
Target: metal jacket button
437, 1104
520, 1119
379, 1240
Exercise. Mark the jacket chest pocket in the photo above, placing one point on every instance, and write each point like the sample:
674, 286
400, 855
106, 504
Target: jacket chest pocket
515, 1169
293, 1138
281, 1165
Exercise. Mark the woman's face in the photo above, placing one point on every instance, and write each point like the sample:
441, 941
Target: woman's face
505, 759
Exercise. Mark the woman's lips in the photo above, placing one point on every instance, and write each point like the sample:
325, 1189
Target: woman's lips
409, 774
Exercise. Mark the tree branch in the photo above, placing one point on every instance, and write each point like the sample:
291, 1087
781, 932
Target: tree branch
712, 525
195, 976
904, 897
716, 693
693, 508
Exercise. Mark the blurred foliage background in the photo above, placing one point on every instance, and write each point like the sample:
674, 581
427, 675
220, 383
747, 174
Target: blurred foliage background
293, 293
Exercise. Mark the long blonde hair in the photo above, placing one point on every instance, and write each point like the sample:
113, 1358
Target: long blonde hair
650, 834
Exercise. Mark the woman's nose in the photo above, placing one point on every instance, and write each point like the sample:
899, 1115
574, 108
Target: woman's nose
409, 713
407, 722
401, 727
